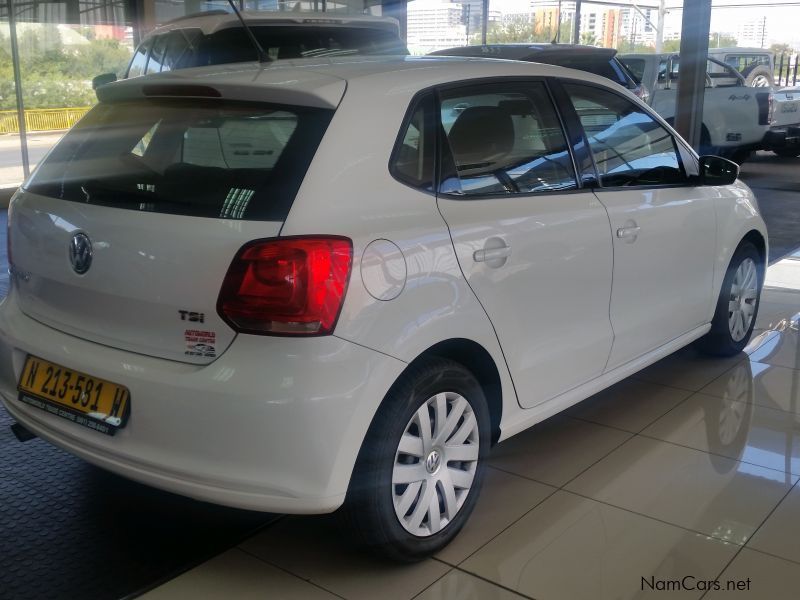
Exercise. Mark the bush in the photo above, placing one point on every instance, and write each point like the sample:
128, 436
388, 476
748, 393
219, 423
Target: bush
55, 76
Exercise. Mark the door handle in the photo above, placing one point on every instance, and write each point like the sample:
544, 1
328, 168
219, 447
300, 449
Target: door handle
628, 232
490, 254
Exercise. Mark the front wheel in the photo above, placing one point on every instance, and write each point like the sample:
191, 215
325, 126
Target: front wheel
421, 466
737, 306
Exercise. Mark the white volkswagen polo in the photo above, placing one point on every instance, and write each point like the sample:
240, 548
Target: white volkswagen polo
300, 286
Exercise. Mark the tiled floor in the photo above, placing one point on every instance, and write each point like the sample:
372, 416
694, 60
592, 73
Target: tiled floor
684, 474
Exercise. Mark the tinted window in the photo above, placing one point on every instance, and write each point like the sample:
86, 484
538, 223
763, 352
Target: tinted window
636, 65
628, 145
157, 55
742, 62
504, 140
599, 65
210, 159
413, 158
180, 46
139, 60
232, 45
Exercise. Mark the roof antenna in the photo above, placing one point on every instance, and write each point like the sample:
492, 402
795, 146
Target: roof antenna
263, 57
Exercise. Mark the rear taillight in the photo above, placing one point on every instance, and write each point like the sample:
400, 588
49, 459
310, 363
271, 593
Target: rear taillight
766, 107
287, 286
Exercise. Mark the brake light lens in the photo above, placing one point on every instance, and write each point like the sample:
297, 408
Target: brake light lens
287, 286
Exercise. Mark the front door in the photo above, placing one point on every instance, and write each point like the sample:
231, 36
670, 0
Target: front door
664, 228
534, 247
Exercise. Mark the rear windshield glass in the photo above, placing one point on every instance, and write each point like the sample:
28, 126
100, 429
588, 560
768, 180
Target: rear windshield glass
199, 158
602, 66
232, 45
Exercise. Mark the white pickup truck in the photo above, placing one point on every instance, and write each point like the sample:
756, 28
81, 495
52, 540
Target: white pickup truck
737, 119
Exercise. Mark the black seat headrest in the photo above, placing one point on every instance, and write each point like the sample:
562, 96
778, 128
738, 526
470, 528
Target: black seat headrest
481, 134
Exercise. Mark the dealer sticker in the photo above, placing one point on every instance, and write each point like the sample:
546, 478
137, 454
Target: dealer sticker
200, 343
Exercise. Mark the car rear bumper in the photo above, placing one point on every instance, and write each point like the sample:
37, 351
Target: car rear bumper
274, 424
782, 137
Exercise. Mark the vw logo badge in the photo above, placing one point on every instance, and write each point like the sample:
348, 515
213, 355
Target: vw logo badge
433, 461
80, 253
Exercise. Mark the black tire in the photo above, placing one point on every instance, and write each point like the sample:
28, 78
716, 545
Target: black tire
368, 513
719, 341
787, 152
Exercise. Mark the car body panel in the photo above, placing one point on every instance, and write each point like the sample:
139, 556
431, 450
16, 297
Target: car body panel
672, 250
235, 431
549, 300
276, 423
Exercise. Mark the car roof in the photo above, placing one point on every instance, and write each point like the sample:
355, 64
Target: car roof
732, 50
321, 81
213, 21
526, 51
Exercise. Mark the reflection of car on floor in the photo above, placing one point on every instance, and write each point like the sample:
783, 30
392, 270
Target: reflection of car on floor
397, 261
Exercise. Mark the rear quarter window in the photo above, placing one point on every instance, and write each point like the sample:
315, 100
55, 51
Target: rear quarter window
199, 158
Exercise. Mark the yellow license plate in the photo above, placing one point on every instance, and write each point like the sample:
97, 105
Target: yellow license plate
86, 400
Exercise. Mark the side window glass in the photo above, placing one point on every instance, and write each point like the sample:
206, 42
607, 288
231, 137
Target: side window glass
413, 158
180, 49
157, 55
139, 60
504, 139
630, 148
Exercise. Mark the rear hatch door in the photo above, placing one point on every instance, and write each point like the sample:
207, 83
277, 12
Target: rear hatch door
125, 233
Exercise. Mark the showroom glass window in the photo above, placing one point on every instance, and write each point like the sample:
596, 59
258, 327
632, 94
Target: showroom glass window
503, 139
630, 147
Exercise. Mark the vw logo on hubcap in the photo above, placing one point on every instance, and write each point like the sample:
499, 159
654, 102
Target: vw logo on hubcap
80, 253
433, 461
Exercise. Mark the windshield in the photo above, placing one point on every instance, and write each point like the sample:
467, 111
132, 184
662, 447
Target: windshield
190, 157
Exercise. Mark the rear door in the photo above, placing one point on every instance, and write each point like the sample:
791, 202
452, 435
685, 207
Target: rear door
125, 233
664, 228
533, 245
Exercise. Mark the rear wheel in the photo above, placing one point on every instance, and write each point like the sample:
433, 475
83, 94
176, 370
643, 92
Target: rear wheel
737, 306
421, 466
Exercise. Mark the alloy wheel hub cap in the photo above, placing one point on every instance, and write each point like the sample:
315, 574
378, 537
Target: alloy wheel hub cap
435, 464
743, 299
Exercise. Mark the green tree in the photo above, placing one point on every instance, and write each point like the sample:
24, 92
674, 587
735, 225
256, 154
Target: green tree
624, 45
55, 76
781, 49
671, 46
722, 40
588, 38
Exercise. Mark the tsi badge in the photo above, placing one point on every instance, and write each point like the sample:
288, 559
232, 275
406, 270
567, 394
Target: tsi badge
80, 253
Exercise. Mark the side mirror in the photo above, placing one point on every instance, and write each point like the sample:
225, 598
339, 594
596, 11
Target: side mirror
103, 79
715, 170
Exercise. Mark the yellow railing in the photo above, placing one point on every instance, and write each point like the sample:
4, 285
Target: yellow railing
41, 119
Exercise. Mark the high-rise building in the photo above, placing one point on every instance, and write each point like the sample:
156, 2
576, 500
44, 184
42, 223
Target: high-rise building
753, 32
435, 26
